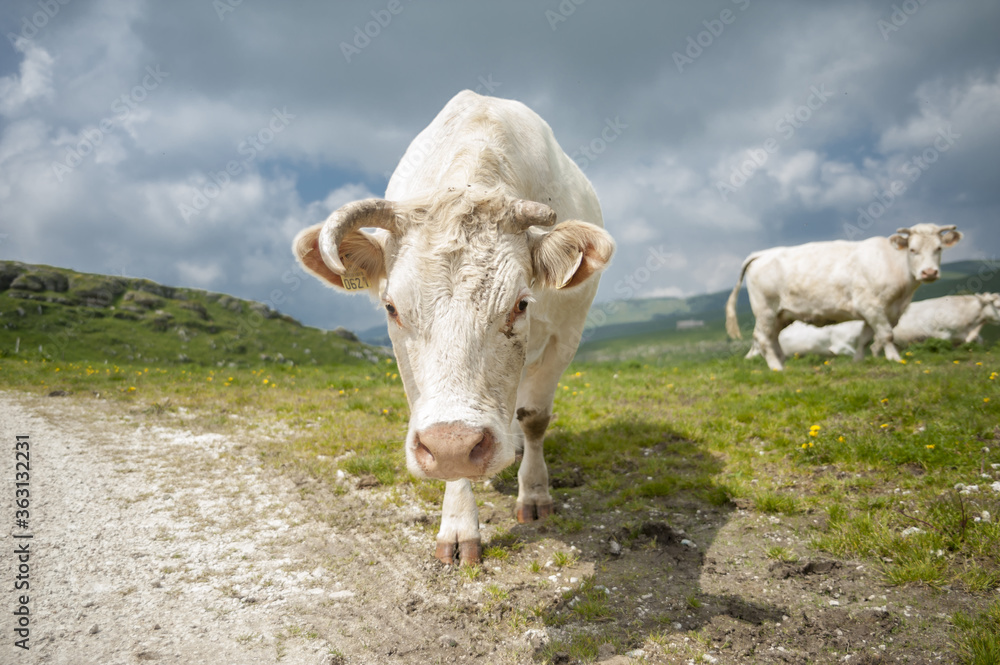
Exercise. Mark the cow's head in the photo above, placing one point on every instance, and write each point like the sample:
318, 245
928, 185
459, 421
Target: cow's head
991, 306
924, 243
457, 278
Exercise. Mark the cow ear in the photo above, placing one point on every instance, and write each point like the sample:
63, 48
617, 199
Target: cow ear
362, 254
570, 253
898, 241
949, 238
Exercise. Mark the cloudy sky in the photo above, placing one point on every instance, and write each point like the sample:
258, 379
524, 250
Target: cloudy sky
187, 142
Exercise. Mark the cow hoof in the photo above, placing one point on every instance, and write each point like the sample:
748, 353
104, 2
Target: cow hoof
470, 552
529, 512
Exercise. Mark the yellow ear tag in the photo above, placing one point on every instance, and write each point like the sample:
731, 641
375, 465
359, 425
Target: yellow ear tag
355, 280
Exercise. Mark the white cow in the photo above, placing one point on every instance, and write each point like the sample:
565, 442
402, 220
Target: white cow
957, 319
829, 282
839, 339
485, 306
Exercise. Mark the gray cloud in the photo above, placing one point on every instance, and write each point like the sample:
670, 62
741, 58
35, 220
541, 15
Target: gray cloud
816, 109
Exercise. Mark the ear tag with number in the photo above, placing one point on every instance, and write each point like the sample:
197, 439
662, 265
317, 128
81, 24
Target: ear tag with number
355, 280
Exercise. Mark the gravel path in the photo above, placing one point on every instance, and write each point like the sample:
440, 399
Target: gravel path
154, 544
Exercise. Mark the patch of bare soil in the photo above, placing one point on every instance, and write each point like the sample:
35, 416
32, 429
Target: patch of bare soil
158, 543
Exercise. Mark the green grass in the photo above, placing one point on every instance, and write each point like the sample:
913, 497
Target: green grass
977, 638
856, 452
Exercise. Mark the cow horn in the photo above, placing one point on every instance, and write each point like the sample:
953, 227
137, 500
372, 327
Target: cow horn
532, 213
903, 230
950, 227
350, 217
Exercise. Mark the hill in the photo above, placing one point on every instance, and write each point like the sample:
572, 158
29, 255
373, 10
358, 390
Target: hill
66, 315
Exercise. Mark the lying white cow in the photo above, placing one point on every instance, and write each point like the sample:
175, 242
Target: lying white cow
829, 282
958, 319
839, 339
485, 303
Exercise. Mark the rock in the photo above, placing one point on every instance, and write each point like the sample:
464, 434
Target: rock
9, 271
366, 481
94, 630
340, 331
198, 309
40, 280
143, 299
58, 393
447, 641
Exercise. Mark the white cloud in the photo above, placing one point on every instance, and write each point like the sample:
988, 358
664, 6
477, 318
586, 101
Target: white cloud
199, 275
33, 83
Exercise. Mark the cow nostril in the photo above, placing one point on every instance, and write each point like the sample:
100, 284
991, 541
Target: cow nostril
482, 450
423, 454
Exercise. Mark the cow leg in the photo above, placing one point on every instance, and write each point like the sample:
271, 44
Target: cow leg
974, 335
535, 395
459, 534
533, 498
765, 334
882, 337
863, 340
754, 351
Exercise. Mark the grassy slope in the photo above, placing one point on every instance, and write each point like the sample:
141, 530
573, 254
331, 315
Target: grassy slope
139, 325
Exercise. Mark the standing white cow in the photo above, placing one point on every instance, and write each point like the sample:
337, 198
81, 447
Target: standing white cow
957, 319
829, 282
485, 307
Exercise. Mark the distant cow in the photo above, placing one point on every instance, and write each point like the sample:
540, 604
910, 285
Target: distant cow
484, 293
957, 319
829, 282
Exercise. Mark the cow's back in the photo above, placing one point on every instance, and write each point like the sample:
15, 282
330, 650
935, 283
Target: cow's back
948, 317
824, 282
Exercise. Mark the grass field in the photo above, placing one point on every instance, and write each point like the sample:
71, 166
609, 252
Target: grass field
900, 461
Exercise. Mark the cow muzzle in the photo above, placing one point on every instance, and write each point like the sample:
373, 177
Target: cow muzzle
929, 274
449, 451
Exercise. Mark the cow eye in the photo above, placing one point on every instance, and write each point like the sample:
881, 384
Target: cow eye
523, 305
390, 309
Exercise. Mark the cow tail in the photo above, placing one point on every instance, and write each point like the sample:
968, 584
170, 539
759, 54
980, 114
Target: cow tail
732, 323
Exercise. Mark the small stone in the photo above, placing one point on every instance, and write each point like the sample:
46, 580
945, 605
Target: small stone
94, 630
447, 641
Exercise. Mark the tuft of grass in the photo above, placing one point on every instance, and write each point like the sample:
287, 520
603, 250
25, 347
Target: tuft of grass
782, 554
562, 560
977, 638
769, 501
